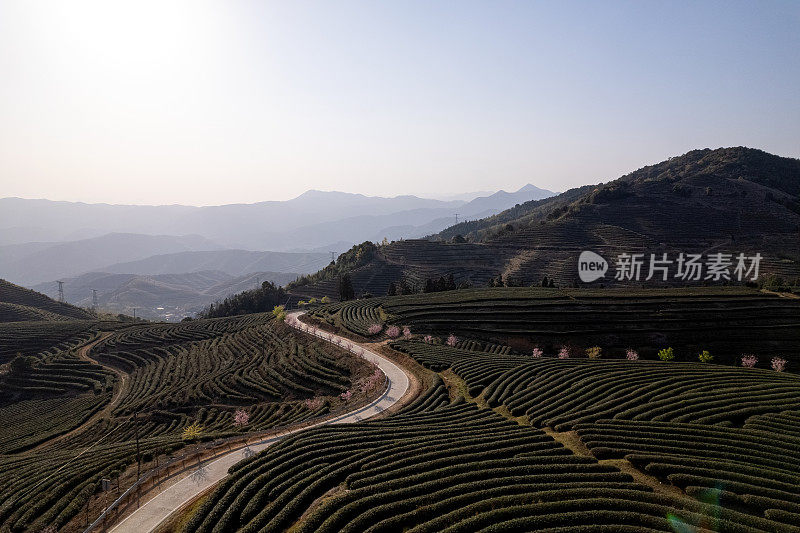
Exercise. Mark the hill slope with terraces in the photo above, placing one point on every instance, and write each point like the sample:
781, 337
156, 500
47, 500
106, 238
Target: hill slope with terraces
19, 304
729, 200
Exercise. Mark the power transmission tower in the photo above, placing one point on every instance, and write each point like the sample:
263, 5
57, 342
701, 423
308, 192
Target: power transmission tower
333, 257
94, 299
60, 291
456, 214
134, 313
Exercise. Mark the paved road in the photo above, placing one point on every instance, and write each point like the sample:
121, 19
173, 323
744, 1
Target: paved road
155, 511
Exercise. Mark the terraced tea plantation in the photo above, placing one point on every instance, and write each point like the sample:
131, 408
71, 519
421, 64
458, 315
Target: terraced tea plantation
726, 321
448, 466
71, 418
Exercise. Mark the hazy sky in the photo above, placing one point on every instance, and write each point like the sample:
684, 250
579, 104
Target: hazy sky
230, 101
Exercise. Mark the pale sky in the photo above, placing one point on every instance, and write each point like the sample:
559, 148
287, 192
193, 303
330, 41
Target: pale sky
230, 101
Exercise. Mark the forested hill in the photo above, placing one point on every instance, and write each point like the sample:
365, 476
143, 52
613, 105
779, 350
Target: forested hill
729, 200
718, 183
21, 304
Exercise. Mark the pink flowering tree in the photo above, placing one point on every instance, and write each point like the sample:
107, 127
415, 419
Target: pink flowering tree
428, 339
563, 353
371, 381
537, 353
452, 340
346, 395
241, 418
778, 364
631, 354
313, 404
749, 360
406, 333
393, 332
374, 329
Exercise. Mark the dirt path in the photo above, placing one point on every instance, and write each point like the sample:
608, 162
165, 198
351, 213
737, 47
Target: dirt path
105, 412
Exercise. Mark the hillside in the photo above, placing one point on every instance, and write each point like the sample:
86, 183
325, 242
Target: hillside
232, 262
728, 321
21, 304
138, 388
33, 263
168, 297
729, 200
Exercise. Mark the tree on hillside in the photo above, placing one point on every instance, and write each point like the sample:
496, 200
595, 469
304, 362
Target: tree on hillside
346, 291
21, 365
252, 301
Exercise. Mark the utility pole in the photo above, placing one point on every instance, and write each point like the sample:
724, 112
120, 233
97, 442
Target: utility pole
138, 456
60, 291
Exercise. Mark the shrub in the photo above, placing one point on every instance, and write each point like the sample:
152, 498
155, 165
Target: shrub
537, 353
241, 418
192, 432
631, 354
594, 352
393, 332
326, 300
778, 364
705, 357
666, 354
279, 312
312, 404
749, 360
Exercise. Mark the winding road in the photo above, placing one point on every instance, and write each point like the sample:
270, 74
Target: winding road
150, 515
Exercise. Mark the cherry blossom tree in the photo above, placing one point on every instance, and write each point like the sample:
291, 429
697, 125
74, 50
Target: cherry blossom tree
778, 364
563, 353
452, 340
537, 352
406, 333
393, 332
631, 354
374, 329
241, 418
346, 395
749, 360
373, 380
428, 339
312, 404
